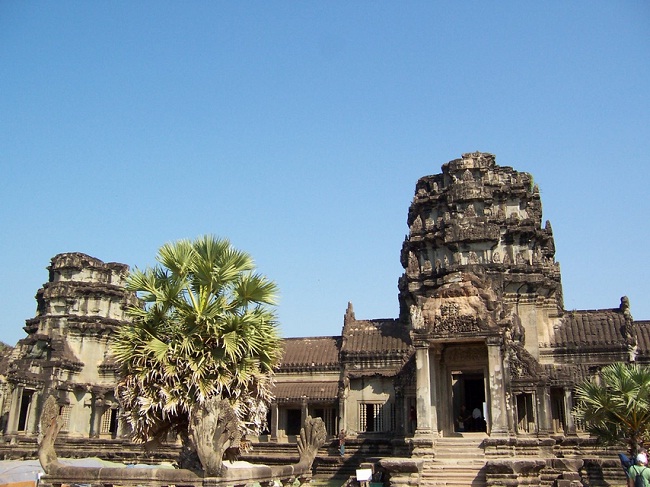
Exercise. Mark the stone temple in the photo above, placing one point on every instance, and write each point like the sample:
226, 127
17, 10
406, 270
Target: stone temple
480, 362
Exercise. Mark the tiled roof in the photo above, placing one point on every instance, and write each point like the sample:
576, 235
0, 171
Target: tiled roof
313, 391
643, 336
601, 328
376, 336
313, 353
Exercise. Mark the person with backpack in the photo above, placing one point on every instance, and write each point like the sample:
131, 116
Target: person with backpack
639, 474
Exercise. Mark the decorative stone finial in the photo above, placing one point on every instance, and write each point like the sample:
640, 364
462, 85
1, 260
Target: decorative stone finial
349, 314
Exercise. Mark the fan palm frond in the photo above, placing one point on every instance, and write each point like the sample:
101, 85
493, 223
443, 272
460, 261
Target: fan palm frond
615, 405
205, 328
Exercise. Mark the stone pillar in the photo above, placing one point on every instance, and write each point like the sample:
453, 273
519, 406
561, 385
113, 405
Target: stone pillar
97, 404
400, 420
498, 410
401, 409
423, 391
570, 426
34, 414
304, 412
14, 411
274, 422
343, 410
544, 411
436, 393
123, 428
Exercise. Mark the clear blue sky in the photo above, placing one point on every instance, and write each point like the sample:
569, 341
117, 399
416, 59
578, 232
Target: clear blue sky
299, 129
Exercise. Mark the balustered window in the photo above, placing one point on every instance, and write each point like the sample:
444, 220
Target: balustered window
109, 422
374, 417
65, 416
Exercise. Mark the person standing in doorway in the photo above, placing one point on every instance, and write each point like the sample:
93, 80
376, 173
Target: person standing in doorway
463, 419
342, 442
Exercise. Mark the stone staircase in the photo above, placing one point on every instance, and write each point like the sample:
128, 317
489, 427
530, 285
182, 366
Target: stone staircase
328, 462
458, 462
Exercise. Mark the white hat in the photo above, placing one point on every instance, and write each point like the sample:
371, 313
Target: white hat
642, 458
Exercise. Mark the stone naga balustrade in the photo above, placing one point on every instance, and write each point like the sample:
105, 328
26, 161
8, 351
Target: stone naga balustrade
312, 437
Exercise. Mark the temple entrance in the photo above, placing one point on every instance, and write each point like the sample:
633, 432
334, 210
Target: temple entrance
464, 399
469, 405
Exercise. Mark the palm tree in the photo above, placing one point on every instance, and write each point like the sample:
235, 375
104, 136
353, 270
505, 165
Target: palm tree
615, 405
206, 332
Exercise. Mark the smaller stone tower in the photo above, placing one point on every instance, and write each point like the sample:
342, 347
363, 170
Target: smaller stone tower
66, 352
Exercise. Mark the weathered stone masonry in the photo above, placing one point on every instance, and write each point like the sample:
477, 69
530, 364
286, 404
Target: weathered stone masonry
481, 326
66, 351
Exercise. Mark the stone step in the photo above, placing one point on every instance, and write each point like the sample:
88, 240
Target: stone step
458, 461
448, 464
453, 476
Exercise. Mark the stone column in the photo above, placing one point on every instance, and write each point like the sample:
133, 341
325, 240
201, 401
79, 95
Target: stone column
123, 428
401, 416
343, 411
304, 412
274, 422
96, 416
570, 426
14, 411
544, 411
35, 406
498, 410
436, 370
423, 391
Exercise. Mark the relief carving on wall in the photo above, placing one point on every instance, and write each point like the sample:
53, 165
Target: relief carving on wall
413, 268
521, 363
417, 319
416, 226
467, 176
452, 322
465, 354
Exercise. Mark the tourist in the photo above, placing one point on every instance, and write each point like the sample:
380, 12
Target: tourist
463, 418
342, 442
477, 420
640, 469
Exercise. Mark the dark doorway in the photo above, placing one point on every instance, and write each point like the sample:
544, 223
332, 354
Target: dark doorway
25, 402
114, 423
293, 421
468, 390
558, 410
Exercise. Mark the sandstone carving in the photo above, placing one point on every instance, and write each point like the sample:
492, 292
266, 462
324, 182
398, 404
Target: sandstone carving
487, 327
213, 429
212, 425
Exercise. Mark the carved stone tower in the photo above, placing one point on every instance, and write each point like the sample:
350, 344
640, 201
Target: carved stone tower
478, 225
67, 349
480, 276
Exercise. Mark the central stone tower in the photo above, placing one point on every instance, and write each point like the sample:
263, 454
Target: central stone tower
481, 289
